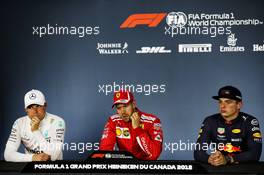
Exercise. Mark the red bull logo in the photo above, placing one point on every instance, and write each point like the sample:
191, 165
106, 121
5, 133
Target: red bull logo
231, 149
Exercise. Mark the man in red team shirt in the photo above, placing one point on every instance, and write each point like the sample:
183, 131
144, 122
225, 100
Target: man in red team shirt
134, 131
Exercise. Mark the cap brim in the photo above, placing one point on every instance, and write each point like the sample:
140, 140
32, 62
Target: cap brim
215, 97
229, 97
36, 103
119, 103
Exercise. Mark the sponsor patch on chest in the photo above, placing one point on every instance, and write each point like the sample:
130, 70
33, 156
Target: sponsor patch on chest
122, 133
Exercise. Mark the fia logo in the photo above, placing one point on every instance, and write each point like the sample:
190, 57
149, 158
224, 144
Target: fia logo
176, 19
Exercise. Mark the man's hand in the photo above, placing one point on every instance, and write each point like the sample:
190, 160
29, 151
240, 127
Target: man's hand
41, 157
35, 121
211, 159
217, 159
135, 118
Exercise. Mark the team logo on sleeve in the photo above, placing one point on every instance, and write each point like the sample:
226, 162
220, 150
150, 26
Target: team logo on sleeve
257, 135
221, 130
257, 140
157, 126
147, 118
255, 128
254, 122
158, 138
244, 117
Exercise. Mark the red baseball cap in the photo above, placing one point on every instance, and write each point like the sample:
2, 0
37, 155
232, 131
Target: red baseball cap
122, 97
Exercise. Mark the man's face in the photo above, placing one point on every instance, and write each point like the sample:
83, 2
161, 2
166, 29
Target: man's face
125, 110
35, 110
229, 108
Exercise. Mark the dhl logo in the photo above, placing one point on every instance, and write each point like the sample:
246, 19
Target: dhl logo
230, 148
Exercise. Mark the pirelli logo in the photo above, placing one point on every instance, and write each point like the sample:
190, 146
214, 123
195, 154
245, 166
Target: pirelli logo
183, 48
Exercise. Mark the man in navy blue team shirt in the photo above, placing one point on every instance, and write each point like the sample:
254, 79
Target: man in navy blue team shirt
237, 133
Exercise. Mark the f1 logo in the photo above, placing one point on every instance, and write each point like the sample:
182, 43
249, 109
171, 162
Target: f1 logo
98, 155
150, 19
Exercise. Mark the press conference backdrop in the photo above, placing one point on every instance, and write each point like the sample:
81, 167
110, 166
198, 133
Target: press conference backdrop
174, 55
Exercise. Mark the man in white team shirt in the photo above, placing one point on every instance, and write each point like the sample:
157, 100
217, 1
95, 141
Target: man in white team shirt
40, 132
